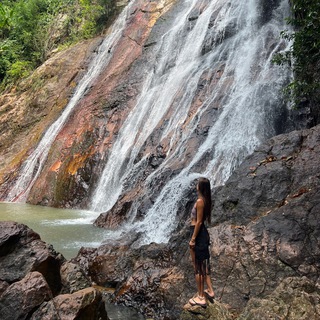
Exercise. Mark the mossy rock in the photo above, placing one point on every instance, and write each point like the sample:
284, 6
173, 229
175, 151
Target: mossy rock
213, 311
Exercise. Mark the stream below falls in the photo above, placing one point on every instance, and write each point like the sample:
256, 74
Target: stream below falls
67, 230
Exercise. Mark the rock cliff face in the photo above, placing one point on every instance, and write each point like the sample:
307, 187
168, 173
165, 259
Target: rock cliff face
80, 151
28, 110
266, 218
76, 158
265, 252
265, 229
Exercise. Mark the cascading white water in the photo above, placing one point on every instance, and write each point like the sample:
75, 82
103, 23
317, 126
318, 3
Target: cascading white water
34, 163
250, 86
156, 97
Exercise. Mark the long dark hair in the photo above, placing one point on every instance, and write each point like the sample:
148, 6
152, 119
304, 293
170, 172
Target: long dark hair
204, 190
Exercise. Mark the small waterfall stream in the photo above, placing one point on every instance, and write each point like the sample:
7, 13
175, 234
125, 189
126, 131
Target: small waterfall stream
247, 94
33, 165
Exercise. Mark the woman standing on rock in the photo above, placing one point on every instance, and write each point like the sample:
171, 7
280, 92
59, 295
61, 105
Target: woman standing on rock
199, 243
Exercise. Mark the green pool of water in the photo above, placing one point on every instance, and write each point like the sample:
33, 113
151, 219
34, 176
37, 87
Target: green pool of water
67, 230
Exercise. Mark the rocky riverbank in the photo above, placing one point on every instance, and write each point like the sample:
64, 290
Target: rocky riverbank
265, 252
265, 249
36, 282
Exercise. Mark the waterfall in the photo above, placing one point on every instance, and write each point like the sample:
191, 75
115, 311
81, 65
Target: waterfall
245, 97
34, 163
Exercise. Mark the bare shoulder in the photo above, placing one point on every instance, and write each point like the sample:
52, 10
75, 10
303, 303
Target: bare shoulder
200, 203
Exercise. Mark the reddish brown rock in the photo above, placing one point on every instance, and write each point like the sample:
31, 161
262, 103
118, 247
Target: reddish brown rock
22, 297
22, 251
265, 230
85, 304
148, 279
73, 278
77, 157
28, 110
30, 280
119, 213
14, 235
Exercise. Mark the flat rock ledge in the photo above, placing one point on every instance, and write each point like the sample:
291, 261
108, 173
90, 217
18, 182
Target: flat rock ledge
36, 282
264, 245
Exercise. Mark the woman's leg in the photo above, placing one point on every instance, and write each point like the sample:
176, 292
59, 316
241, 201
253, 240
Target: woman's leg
209, 291
200, 278
202, 275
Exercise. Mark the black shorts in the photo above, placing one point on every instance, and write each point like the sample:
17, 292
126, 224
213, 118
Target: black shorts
202, 244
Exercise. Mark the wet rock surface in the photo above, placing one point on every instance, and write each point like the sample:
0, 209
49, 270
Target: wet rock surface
37, 283
265, 219
73, 278
264, 249
265, 227
78, 155
280, 172
29, 109
147, 279
22, 251
264, 243
83, 304
22, 297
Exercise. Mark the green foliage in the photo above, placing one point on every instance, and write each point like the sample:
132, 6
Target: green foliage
19, 69
31, 29
304, 55
5, 18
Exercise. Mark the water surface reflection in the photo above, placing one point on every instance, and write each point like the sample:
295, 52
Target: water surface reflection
66, 229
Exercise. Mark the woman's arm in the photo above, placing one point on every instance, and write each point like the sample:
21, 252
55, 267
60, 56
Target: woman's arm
200, 207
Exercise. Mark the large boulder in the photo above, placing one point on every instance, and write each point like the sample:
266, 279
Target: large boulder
283, 170
36, 282
73, 278
266, 219
26, 111
22, 251
148, 279
85, 304
294, 299
22, 297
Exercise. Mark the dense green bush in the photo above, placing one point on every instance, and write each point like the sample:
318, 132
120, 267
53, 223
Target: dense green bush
304, 55
31, 29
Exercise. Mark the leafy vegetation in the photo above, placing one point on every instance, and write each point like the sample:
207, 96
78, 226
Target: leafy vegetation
31, 29
304, 55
